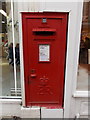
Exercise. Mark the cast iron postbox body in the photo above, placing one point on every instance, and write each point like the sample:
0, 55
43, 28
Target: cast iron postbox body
44, 48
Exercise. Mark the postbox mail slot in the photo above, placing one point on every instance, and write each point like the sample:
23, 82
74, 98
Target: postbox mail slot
44, 30
44, 33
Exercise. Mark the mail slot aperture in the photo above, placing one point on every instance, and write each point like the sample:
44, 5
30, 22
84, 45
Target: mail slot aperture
46, 33
44, 30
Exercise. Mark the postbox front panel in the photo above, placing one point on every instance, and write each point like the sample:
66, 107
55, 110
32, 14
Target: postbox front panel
44, 48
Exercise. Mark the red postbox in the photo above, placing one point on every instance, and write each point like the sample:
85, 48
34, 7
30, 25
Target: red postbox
44, 50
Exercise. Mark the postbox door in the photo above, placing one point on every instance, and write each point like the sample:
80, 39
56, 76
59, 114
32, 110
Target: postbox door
44, 44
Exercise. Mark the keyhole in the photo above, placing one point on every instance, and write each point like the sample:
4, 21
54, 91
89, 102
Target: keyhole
33, 71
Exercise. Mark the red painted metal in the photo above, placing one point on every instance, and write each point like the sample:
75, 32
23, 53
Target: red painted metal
44, 30
44, 81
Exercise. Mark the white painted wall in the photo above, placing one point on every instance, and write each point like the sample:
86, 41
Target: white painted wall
10, 108
74, 26
51, 113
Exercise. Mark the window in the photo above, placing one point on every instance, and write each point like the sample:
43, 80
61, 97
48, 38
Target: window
84, 56
9, 47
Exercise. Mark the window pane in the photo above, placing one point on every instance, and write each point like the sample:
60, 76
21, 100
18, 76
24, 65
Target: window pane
7, 54
84, 57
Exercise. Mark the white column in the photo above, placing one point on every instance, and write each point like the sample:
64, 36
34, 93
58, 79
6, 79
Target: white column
13, 35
